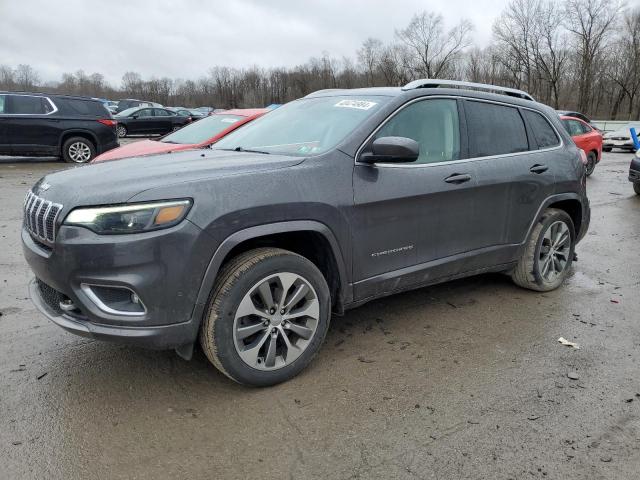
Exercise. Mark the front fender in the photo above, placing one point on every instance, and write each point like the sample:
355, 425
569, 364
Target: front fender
346, 293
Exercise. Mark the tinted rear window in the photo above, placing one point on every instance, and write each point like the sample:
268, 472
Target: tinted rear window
71, 106
27, 105
494, 129
543, 133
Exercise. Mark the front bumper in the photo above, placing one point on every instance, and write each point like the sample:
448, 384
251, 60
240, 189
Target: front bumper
627, 145
159, 337
163, 268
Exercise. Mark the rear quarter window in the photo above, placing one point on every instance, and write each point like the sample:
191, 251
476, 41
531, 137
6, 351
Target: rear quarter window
70, 106
494, 129
27, 105
542, 131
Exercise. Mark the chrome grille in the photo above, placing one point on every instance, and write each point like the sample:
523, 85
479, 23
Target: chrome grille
40, 217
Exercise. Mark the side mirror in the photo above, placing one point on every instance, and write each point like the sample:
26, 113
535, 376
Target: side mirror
392, 150
134, 116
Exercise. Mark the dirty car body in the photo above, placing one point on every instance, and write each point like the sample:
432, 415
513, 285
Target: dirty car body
370, 227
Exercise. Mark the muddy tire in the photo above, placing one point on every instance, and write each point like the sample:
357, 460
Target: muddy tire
548, 254
636, 187
267, 317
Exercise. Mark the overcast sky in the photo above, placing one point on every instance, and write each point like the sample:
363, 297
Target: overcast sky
184, 38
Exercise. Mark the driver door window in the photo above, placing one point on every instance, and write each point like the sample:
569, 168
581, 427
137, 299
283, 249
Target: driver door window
433, 124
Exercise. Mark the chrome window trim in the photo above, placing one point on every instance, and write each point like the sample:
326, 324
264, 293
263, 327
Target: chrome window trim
462, 160
86, 289
53, 105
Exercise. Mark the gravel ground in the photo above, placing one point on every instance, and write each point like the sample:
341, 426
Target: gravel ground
461, 380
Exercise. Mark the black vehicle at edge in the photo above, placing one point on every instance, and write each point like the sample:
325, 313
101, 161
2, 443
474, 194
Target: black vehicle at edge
39, 124
634, 173
149, 120
250, 246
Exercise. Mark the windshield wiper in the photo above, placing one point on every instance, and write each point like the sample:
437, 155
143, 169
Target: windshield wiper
248, 150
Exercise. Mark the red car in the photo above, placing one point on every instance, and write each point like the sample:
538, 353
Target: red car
587, 138
195, 135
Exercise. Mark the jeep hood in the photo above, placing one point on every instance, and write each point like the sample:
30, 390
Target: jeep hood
117, 182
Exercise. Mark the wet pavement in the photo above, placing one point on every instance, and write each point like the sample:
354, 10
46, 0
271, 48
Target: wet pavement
462, 380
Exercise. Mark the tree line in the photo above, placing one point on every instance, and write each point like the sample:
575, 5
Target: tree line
570, 54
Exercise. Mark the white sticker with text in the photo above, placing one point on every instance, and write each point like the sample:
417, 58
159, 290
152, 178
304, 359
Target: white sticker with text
359, 104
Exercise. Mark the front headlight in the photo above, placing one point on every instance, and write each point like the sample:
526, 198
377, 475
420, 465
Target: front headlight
132, 218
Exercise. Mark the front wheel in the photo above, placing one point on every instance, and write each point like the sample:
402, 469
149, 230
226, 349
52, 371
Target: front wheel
267, 317
122, 131
548, 254
636, 187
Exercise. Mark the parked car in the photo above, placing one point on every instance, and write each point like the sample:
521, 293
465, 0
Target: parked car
111, 105
196, 135
586, 138
206, 110
620, 138
321, 205
185, 112
148, 121
39, 124
127, 103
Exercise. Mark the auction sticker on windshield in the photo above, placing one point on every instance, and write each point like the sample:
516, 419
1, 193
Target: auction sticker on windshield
359, 104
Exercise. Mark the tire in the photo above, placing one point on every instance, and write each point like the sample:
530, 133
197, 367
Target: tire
176, 128
606, 149
240, 288
591, 163
636, 187
122, 131
78, 150
530, 271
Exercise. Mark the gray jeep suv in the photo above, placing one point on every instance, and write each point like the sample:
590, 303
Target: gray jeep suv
323, 204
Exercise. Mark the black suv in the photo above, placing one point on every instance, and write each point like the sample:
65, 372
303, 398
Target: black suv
37, 124
326, 203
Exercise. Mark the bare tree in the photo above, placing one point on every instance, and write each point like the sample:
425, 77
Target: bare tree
590, 22
26, 78
433, 48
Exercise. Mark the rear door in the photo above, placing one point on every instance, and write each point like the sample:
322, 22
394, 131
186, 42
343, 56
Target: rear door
162, 120
30, 125
515, 175
411, 220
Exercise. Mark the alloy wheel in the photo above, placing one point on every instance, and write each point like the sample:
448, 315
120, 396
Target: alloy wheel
554, 251
79, 152
122, 132
276, 321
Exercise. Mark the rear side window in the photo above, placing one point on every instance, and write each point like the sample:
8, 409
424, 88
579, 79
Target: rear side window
494, 129
431, 123
543, 133
27, 105
73, 106
573, 127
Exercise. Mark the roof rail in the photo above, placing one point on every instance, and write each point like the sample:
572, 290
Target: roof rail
435, 83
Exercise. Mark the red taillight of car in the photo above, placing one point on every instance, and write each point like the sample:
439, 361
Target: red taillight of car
583, 156
108, 122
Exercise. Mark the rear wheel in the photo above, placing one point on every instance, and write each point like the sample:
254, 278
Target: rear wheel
176, 127
606, 149
591, 163
636, 187
267, 317
78, 150
548, 255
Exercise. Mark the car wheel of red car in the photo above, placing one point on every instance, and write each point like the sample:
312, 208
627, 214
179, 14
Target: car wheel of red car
591, 163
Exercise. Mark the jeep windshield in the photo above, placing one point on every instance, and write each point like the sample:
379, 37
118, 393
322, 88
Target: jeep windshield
309, 126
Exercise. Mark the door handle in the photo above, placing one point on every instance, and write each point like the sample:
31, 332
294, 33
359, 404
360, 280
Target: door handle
537, 168
458, 178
